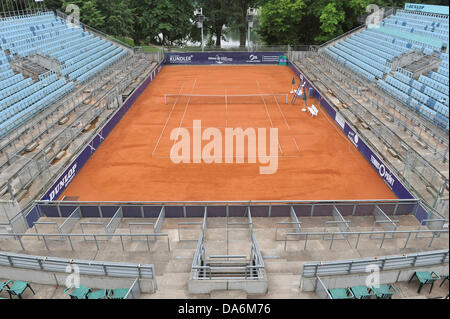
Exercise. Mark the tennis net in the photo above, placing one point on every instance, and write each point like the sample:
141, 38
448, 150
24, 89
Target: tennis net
226, 99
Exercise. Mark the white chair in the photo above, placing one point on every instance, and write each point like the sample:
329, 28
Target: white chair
313, 111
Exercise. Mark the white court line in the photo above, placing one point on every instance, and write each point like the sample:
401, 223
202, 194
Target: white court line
226, 108
295, 142
167, 121
267, 110
281, 111
185, 110
285, 121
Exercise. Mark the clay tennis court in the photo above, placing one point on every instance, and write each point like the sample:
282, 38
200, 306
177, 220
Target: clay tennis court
316, 161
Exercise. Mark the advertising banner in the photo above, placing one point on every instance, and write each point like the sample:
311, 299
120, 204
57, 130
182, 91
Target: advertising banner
223, 58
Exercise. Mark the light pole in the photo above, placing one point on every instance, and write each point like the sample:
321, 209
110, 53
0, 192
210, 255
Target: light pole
201, 18
251, 12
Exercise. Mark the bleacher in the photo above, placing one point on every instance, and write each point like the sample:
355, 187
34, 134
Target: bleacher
371, 53
79, 54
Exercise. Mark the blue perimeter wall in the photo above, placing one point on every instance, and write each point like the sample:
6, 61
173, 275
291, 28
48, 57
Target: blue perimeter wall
213, 58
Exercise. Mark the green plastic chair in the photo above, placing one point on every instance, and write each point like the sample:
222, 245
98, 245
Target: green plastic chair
361, 292
99, 294
4, 284
445, 278
425, 278
18, 288
384, 291
118, 293
341, 293
78, 292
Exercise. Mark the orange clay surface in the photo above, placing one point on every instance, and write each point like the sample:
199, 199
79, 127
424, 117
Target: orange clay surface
316, 160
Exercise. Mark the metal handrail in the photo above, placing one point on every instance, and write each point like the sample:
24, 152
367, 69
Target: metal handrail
351, 264
42, 264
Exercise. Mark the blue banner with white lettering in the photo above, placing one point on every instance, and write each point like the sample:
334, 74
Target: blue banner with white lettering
195, 58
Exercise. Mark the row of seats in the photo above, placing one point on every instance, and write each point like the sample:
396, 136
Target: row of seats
433, 116
94, 63
83, 78
10, 81
420, 31
435, 20
375, 48
82, 59
374, 57
26, 114
80, 54
70, 69
418, 24
364, 66
368, 46
370, 77
397, 44
439, 77
387, 47
361, 57
23, 94
421, 93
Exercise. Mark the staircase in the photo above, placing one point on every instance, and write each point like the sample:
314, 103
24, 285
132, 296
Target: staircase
28, 68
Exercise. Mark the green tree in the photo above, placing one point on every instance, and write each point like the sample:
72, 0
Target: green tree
218, 13
53, 4
162, 21
280, 21
119, 17
331, 19
240, 16
89, 13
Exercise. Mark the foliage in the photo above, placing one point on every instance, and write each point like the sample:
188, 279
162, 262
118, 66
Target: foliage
171, 22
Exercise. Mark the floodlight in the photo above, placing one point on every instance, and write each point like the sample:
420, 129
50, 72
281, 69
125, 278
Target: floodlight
251, 11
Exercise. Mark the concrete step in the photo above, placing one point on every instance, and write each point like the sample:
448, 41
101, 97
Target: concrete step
228, 294
280, 266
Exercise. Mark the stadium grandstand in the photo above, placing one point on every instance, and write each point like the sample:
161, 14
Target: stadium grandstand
364, 186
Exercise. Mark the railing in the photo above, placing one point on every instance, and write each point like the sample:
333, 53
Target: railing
321, 290
342, 36
96, 238
356, 266
93, 30
255, 48
135, 290
371, 235
93, 268
241, 269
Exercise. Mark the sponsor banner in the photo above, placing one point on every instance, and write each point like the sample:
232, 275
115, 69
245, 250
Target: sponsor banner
383, 171
429, 8
223, 58
64, 180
